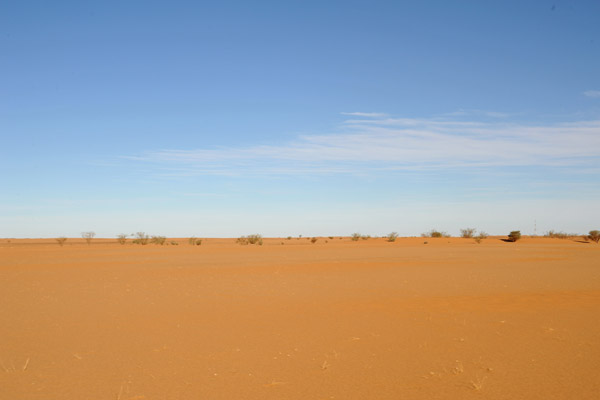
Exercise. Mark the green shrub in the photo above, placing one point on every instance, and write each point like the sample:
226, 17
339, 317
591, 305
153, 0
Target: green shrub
61, 240
391, 237
467, 233
122, 238
594, 236
141, 238
514, 236
158, 240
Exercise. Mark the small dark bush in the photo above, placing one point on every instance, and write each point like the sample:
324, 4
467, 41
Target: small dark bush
195, 241
365, 237
594, 236
141, 238
250, 239
61, 240
514, 236
313, 240
122, 238
467, 233
355, 237
435, 234
158, 240
392, 237
174, 243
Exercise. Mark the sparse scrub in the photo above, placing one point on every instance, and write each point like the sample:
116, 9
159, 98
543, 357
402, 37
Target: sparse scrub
160, 240
88, 236
331, 237
289, 238
122, 238
480, 237
355, 237
467, 233
195, 241
313, 240
61, 240
435, 234
365, 237
594, 236
558, 235
514, 236
174, 243
250, 239
141, 238
391, 237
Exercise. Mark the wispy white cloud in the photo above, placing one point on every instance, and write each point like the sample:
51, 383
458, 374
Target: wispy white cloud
367, 145
365, 114
592, 93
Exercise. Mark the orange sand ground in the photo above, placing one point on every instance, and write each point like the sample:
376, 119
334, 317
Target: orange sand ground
339, 320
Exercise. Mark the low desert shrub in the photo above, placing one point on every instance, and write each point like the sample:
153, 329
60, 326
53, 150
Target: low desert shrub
250, 239
391, 237
467, 233
558, 235
195, 241
61, 240
289, 238
514, 236
594, 236
365, 237
313, 240
174, 243
435, 234
141, 238
355, 237
122, 238
158, 240
331, 237
88, 236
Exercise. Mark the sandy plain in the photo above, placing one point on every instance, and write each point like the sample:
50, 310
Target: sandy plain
450, 319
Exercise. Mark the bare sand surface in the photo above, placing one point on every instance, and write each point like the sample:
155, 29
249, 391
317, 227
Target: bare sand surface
450, 319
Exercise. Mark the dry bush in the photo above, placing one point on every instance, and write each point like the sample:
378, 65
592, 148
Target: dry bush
514, 236
141, 238
365, 237
61, 240
313, 240
355, 237
467, 233
195, 241
250, 239
435, 234
158, 240
594, 236
391, 237
88, 236
122, 238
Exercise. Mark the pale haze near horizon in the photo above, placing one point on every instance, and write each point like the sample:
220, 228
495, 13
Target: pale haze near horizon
293, 118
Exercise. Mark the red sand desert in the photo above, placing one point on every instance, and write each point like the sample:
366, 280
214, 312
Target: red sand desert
450, 319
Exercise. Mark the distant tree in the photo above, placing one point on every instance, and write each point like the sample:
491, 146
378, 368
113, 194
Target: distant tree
391, 237
122, 238
594, 236
88, 236
467, 233
514, 236
141, 238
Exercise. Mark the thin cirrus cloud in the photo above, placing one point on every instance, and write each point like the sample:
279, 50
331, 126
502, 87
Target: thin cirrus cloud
592, 93
370, 144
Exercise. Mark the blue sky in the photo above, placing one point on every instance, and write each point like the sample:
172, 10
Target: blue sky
284, 118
